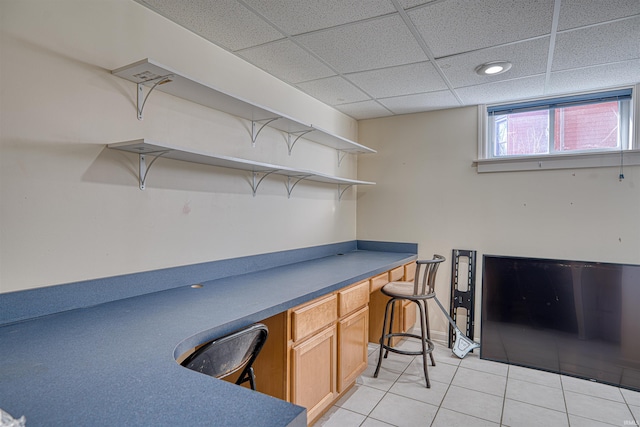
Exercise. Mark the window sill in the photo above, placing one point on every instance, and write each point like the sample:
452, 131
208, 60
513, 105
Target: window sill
558, 161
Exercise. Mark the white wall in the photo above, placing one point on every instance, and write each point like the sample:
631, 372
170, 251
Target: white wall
71, 209
429, 192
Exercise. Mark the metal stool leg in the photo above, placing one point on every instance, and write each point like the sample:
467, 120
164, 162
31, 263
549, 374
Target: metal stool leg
382, 335
423, 325
393, 309
426, 310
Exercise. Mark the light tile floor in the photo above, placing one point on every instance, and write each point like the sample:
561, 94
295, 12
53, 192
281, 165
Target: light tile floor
474, 392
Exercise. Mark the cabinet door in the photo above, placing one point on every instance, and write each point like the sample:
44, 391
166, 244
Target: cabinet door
314, 372
353, 334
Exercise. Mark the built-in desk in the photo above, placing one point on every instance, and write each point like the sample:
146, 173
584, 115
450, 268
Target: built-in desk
115, 362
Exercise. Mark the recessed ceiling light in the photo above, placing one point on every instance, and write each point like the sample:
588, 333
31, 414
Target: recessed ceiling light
493, 68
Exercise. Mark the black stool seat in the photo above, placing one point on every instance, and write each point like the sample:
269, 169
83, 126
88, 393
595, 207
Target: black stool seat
418, 291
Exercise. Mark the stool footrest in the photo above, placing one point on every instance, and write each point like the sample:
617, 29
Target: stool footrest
430, 346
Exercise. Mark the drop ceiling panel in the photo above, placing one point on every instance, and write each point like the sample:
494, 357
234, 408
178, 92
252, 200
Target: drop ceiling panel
601, 76
363, 110
526, 57
619, 41
578, 13
360, 46
420, 102
456, 26
527, 87
316, 44
286, 60
401, 80
217, 21
333, 90
297, 17
406, 4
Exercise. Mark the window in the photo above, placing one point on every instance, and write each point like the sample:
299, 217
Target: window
556, 128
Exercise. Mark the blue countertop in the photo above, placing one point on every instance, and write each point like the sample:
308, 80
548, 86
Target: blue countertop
114, 363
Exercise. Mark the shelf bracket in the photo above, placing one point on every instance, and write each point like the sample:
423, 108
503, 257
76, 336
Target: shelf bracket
341, 155
341, 191
255, 182
142, 99
290, 187
298, 135
143, 168
254, 125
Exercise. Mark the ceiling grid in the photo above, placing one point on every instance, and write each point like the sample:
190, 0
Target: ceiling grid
374, 58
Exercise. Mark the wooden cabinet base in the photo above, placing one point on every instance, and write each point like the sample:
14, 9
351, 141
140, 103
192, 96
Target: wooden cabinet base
314, 373
352, 347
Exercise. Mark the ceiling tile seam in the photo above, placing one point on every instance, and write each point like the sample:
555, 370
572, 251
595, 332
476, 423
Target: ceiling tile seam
597, 24
311, 52
367, 100
425, 48
319, 30
496, 46
503, 81
286, 36
293, 39
383, 106
424, 5
350, 73
384, 98
552, 44
586, 67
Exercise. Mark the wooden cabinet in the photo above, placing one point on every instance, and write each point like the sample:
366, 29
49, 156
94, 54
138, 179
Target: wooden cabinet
313, 316
377, 282
314, 372
377, 303
353, 298
316, 351
272, 365
353, 334
397, 274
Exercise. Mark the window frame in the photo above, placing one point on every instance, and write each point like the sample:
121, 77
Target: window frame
626, 155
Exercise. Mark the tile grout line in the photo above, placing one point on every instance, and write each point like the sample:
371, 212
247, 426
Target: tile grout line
504, 399
385, 392
635, 420
445, 393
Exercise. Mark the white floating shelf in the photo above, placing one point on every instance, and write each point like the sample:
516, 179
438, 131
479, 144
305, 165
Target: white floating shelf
145, 147
149, 73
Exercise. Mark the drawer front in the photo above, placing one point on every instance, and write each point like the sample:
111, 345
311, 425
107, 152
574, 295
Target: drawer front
379, 281
352, 298
410, 271
396, 274
314, 316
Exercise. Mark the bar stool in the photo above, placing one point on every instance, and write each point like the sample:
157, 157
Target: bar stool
418, 291
224, 356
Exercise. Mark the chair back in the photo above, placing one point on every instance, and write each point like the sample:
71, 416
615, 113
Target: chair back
425, 280
226, 355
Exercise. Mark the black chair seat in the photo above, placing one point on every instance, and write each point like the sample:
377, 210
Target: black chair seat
229, 354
